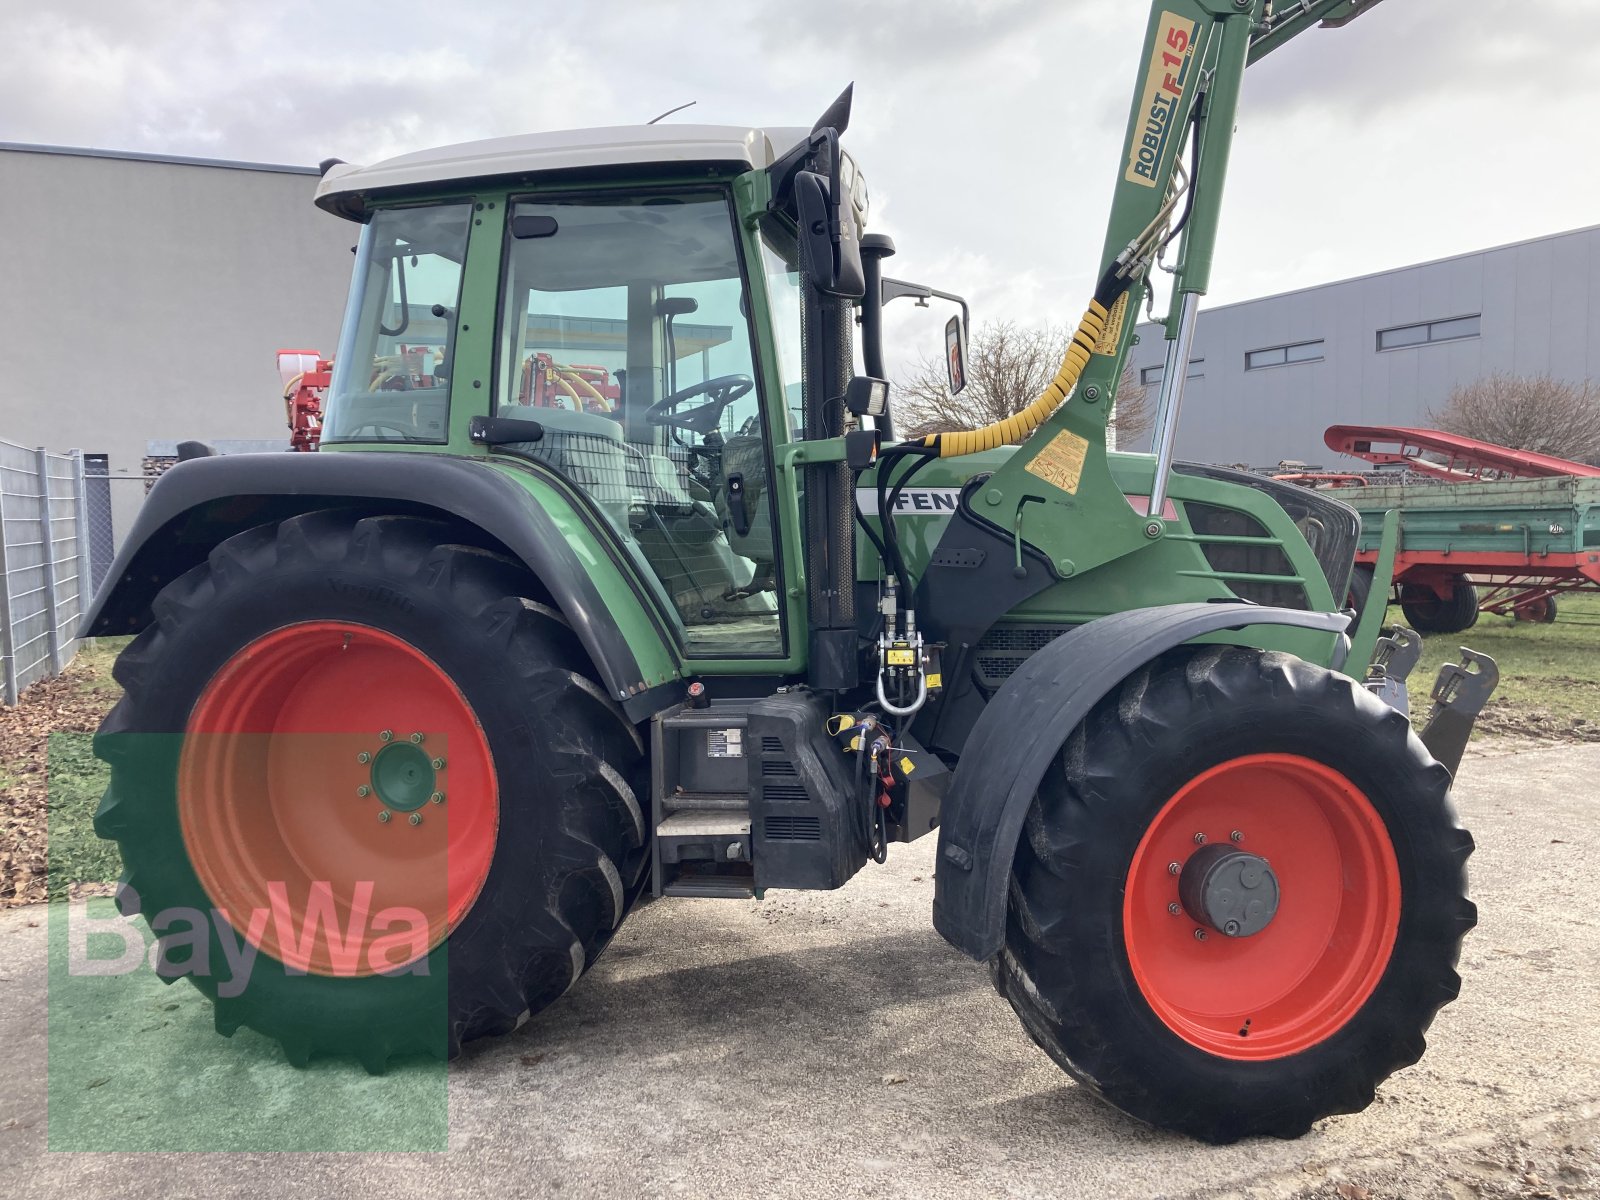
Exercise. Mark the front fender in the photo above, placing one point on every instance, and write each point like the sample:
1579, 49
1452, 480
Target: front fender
1025, 725
200, 502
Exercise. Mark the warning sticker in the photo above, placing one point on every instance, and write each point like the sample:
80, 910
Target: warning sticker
1061, 461
1112, 333
724, 743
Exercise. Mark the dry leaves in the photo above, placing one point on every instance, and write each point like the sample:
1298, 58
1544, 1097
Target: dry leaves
59, 705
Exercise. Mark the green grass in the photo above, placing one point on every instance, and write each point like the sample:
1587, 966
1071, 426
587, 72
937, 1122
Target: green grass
92, 666
1545, 670
77, 781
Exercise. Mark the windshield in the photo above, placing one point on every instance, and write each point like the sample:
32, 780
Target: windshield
391, 377
625, 332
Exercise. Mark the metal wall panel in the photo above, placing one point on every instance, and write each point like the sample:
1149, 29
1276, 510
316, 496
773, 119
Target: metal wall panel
1540, 306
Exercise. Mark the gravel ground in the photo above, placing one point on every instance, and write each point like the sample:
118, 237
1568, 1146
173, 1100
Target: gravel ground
832, 1045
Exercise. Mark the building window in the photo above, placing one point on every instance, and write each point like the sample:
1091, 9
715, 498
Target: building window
1153, 375
1281, 356
1424, 332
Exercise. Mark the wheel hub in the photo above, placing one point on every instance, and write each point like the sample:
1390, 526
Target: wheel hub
1229, 890
403, 776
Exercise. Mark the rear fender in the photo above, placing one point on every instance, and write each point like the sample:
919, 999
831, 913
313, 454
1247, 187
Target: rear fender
199, 503
1025, 725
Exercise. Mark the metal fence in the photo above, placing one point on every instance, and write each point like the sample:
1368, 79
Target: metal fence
45, 538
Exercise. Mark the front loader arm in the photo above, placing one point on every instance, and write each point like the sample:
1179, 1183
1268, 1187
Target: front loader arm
1165, 208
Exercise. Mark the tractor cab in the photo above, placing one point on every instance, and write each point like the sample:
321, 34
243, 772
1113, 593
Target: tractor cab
645, 333
645, 345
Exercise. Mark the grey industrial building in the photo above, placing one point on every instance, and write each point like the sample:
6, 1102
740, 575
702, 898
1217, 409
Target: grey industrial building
146, 299
1267, 376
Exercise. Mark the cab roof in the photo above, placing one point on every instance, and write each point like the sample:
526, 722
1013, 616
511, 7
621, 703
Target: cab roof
345, 189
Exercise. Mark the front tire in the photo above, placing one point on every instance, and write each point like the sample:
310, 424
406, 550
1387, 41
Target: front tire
1220, 1036
365, 706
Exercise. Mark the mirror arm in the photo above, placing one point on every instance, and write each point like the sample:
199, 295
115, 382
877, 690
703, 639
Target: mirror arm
898, 289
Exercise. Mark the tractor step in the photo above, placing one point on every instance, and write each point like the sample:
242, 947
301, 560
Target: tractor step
701, 801
708, 886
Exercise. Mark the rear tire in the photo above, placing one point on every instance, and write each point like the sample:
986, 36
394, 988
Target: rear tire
560, 854
1222, 1038
1427, 613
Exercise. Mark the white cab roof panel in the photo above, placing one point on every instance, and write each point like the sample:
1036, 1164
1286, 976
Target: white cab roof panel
342, 189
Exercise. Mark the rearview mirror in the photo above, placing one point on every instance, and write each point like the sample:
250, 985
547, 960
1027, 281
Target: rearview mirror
955, 353
830, 243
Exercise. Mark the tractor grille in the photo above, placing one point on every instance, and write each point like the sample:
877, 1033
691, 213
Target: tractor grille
1251, 558
793, 829
1330, 528
1006, 647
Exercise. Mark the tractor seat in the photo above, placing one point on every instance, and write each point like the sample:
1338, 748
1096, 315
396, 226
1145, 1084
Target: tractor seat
585, 447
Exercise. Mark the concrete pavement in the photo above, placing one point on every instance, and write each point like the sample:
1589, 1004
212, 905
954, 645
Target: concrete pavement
832, 1045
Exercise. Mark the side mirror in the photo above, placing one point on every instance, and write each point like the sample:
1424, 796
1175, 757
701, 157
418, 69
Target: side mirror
830, 244
955, 354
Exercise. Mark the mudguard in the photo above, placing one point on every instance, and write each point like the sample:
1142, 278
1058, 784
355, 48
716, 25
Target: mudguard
1022, 729
198, 503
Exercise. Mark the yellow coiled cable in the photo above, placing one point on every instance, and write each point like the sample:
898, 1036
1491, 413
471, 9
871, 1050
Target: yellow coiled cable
1016, 427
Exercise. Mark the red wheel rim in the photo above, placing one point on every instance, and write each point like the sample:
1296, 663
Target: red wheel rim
297, 748
1303, 977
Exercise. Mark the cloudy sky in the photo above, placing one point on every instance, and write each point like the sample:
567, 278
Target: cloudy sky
988, 129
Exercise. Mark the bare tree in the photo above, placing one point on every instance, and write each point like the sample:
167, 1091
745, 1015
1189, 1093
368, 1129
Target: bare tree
1008, 365
1527, 412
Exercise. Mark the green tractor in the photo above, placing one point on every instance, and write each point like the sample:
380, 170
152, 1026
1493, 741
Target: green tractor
612, 581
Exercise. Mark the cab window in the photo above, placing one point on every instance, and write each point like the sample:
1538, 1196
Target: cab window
625, 333
391, 376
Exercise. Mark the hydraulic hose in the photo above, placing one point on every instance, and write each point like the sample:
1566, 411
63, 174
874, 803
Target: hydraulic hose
1016, 427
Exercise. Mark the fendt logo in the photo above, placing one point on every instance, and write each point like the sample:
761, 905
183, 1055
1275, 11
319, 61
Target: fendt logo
1164, 83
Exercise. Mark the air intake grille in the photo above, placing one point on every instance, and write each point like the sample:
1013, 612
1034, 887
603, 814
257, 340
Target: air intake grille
771, 745
784, 791
793, 829
777, 766
1006, 647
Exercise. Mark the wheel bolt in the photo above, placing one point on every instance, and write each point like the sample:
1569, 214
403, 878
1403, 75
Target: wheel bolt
437, 798
1199, 935
363, 790
1199, 839
1236, 836
1173, 908
416, 739
386, 736
363, 757
415, 818
438, 764
384, 816
1173, 868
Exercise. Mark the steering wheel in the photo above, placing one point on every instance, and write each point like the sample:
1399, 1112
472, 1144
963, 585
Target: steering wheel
703, 418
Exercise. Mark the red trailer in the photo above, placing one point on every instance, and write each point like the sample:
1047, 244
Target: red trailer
1491, 529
